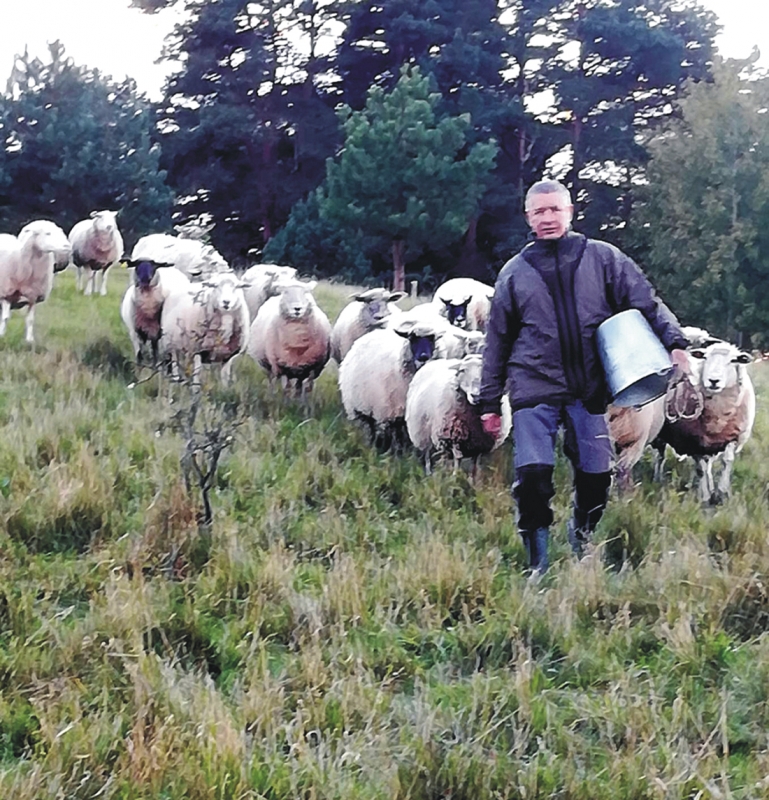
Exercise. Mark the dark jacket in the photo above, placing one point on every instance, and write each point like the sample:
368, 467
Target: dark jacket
548, 301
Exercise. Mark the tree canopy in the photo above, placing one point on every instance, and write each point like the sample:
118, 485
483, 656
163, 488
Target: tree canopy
702, 216
76, 142
405, 175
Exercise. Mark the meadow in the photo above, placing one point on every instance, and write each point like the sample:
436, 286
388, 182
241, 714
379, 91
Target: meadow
347, 627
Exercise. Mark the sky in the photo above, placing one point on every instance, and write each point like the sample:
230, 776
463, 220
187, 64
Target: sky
120, 41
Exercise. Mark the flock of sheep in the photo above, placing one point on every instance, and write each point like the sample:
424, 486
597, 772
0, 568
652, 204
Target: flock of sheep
410, 377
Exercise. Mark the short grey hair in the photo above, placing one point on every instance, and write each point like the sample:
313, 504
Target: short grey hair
548, 187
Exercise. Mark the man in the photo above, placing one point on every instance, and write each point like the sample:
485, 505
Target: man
541, 345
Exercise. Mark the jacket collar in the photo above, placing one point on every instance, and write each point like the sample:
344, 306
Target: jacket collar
568, 244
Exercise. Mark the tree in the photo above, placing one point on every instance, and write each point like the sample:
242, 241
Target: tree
246, 125
702, 216
76, 142
404, 175
616, 71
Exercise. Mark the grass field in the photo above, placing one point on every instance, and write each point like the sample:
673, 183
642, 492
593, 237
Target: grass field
348, 628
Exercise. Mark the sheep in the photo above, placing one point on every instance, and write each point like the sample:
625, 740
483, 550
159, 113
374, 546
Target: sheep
631, 429
716, 421
262, 282
143, 301
465, 302
441, 416
196, 259
374, 378
26, 269
291, 338
208, 322
366, 312
96, 245
454, 343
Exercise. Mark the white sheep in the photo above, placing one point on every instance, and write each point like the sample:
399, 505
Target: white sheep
442, 418
465, 302
374, 378
143, 301
262, 282
631, 430
196, 259
366, 312
718, 420
290, 337
26, 269
208, 323
96, 245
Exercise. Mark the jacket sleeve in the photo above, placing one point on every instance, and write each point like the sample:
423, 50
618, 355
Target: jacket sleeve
501, 332
632, 289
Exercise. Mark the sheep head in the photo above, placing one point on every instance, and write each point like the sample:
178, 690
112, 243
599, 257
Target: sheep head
456, 311
468, 372
296, 300
421, 339
721, 366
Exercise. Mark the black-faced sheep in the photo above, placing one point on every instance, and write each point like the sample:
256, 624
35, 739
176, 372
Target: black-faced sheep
441, 414
290, 338
465, 302
26, 269
719, 419
96, 246
208, 323
366, 312
374, 379
196, 259
143, 301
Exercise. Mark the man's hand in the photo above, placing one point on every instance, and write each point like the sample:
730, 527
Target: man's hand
680, 360
492, 424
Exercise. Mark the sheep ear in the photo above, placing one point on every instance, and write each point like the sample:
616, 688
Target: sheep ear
456, 367
163, 264
742, 358
93, 214
310, 285
356, 295
697, 353
403, 330
244, 285
127, 262
395, 296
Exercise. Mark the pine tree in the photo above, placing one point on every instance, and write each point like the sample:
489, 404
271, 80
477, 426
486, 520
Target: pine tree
405, 175
76, 142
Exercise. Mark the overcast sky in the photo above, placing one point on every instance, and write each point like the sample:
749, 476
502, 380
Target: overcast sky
119, 40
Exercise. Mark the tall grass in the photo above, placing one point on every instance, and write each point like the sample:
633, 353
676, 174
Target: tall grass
350, 628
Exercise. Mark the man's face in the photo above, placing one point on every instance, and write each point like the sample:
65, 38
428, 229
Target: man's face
549, 215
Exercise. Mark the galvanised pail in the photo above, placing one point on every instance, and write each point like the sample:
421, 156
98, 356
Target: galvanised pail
636, 364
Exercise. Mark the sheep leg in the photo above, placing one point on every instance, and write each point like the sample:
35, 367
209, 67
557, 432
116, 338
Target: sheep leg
456, 454
428, 456
103, 290
29, 324
5, 312
89, 280
197, 365
227, 371
659, 460
725, 479
78, 278
706, 488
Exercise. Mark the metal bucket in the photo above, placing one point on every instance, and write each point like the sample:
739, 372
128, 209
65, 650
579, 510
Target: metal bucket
636, 364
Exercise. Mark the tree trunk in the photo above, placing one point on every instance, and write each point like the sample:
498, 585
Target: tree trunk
399, 267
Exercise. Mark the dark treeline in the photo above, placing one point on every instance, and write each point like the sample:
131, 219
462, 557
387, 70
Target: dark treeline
283, 127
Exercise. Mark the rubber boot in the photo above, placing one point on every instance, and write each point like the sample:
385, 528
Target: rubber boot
536, 543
